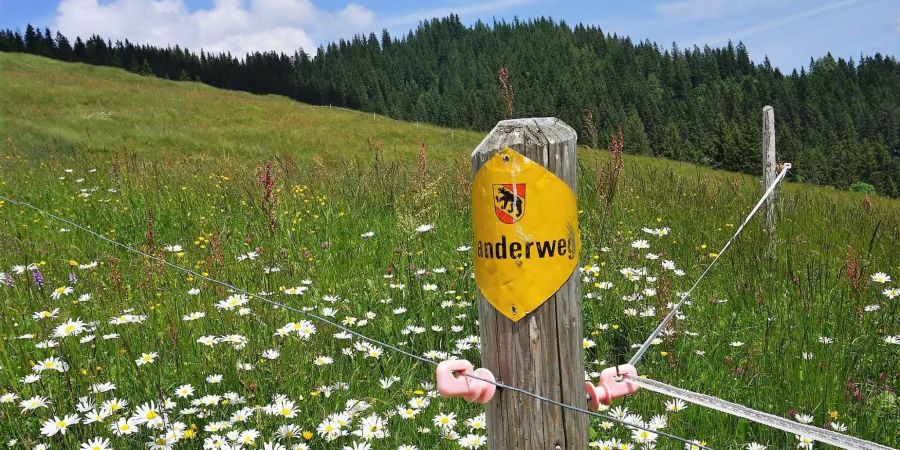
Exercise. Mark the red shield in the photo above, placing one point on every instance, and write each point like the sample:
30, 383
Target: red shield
509, 202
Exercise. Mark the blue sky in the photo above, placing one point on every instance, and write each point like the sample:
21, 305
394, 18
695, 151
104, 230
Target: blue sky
788, 31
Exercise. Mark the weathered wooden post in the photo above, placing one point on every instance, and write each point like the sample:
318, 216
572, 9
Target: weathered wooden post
768, 167
526, 257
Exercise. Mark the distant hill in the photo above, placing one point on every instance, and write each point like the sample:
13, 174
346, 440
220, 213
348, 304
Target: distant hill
156, 163
52, 108
838, 121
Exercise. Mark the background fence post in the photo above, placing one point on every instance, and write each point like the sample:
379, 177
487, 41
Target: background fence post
543, 351
768, 168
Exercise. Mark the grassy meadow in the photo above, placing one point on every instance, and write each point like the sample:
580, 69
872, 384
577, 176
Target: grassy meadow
366, 220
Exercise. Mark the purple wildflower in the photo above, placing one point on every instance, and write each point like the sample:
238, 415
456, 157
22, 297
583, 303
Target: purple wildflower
73, 279
38, 278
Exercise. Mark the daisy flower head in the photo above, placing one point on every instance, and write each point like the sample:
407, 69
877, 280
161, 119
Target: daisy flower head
146, 358
114, 405
323, 360
52, 363
472, 441
57, 425
184, 391
643, 436
477, 423
214, 379
695, 445
98, 443
640, 244
445, 420
61, 292
148, 414
31, 378
675, 405
805, 442
407, 412
163, 442
196, 315
232, 302
45, 314
881, 278
33, 403
70, 328
297, 290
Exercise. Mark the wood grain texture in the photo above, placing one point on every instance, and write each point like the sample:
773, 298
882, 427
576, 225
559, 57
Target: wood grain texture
542, 352
768, 167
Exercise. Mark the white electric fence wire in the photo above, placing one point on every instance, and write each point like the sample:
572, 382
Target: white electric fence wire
812, 432
688, 443
665, 322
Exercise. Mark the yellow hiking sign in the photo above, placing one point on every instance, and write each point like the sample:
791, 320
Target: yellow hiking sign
527, 243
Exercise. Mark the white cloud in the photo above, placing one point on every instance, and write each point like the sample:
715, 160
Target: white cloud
356, 15
283, 39
696, 10
240, 26
236, 26
775, 24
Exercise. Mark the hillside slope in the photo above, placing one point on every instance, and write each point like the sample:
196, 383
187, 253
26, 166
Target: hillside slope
839, 120
71, 107
98, 109
278, 197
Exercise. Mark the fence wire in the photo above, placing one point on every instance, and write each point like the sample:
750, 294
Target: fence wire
818, 434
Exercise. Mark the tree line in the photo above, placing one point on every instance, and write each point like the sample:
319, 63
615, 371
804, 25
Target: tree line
838, 121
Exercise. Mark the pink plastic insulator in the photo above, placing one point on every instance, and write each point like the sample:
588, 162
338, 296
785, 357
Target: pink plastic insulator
613, 384
452, 381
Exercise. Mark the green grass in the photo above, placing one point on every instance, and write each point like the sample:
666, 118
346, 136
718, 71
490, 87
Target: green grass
109, 149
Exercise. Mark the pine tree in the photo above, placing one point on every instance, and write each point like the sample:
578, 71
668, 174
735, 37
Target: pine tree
63, 49
672, 145
48, 45
144, 68
636, 140
79, 50
33, 41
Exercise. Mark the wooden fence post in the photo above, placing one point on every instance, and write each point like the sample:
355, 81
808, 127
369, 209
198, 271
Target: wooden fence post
542, 352
768, 168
